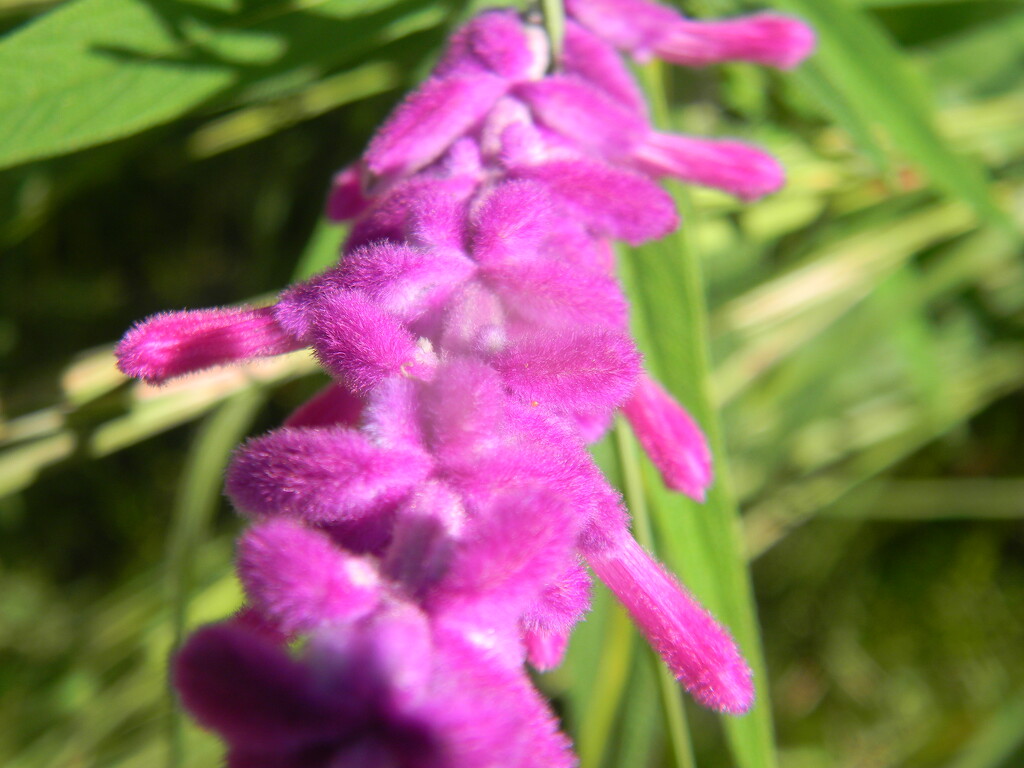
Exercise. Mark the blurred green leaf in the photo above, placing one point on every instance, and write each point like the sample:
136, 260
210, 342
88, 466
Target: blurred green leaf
96, 70
199, 492
857, 56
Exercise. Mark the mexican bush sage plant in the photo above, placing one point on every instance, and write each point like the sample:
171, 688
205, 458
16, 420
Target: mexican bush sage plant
422, 527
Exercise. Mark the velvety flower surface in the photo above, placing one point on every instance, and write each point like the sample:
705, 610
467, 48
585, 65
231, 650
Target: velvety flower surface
421, 528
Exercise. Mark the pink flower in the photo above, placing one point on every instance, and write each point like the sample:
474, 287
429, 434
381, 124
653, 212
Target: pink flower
421, 525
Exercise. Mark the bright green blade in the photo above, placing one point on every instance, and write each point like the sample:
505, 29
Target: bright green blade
862, 63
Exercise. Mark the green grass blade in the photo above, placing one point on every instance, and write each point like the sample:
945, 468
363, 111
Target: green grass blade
636, 501
859, 59
702, 542
199, 492
997, 740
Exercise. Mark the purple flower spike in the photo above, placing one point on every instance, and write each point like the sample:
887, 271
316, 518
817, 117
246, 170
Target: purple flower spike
420, 523
732, 166
671, 438
298, 578
175, 343
698, 650
320, 475
766, 38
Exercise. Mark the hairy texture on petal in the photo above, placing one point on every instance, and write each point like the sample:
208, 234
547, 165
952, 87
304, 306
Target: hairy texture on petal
491, 713
246, 688
175, 343
474, 321
585, 114
609, 520
671, 438
361, 343
426, 527
562, 603
532, 443
521, 541
320, 474
334, 406
495, 41
731, 166
558, 294
346, 199
767, 38
429, 120
511, 222
392, 418
698, 650
385, 659
612, 202
439, 223
545, 650
589, 57
404, 281
579, 371
463, 411
635, 25
571, 242
391, 213
298, 578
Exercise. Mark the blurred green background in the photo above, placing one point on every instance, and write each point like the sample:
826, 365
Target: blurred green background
867, 333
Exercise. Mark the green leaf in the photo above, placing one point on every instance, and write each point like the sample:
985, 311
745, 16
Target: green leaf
93, 71
700, 541
199, 492
863, 64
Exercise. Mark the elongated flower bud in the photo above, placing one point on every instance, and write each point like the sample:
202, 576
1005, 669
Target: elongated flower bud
671, 438
700, 653
176, 343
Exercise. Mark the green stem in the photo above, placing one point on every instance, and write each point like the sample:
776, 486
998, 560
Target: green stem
199, 492
702, 542
612, 675
554, 25
636, 500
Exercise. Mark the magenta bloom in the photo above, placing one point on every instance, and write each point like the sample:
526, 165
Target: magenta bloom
422, 527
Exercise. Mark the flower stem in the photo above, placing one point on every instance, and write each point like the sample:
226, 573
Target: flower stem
636, 500
702, 542
554, 24
199, 492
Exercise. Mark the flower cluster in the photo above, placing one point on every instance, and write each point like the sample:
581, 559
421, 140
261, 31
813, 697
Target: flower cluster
421, 526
